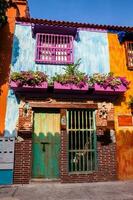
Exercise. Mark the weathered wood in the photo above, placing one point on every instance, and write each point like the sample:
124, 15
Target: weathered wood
54, 49
38, 104
46, 145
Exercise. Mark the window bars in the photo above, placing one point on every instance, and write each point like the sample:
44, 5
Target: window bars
129, 54
81, 141
54, 49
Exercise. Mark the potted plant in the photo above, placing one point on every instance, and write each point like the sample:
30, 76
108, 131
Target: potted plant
130, 103
108, 83
72, 79
25, 80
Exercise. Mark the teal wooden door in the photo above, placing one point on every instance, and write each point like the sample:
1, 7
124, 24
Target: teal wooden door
46, 145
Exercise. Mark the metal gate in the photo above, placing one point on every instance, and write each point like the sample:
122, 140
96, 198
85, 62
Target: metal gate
81, 131
6, 160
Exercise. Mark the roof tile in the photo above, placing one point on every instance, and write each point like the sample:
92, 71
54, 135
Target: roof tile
74, 24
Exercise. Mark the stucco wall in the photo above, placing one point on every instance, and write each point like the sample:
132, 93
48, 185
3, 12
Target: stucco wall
124, 134
6, 41
91, 47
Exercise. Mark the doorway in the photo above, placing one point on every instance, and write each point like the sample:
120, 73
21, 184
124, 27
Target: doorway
46, 144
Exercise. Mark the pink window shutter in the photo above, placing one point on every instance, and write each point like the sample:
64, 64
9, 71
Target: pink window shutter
54, 49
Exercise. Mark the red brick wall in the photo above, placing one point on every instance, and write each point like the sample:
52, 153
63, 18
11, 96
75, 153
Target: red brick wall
23, 148
106, 167
25, 121
106, 154
22, 163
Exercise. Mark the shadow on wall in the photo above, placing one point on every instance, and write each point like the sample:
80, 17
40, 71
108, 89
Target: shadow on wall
15, 50
125, 154
46, 139
6, 39
120, 99
8, 133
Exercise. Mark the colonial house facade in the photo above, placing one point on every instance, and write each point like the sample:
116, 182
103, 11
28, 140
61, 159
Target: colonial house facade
77, 130
15, 8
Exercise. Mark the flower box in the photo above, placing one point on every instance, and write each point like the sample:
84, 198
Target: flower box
41, 86
70, 87
99, 89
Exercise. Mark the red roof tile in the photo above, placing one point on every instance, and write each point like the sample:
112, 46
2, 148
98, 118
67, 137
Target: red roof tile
74, 24
19, 1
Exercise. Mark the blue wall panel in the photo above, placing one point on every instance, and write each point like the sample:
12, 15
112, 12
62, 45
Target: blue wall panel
6, 177
11, 115
23, 56
91, 47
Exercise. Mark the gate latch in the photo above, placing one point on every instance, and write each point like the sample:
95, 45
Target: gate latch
44, 143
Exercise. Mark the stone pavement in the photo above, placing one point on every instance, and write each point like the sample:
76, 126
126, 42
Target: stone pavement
117, 190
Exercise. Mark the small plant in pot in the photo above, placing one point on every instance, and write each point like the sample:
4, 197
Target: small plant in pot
29, 79
108, 82
73, 78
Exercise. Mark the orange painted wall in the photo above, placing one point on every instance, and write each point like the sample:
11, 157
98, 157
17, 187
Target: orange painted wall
22, 9
6, 40
124, 135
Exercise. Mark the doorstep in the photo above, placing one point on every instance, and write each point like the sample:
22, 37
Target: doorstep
44, 180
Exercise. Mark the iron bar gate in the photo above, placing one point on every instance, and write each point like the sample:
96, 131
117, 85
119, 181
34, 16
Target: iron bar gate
81, 131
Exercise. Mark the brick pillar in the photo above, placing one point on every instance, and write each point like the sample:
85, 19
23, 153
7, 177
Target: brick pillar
107, 164
64, 156
25, 120
22, 163
23, 148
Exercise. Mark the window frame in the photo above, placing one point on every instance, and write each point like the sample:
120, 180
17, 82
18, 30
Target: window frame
127, 54
63, 53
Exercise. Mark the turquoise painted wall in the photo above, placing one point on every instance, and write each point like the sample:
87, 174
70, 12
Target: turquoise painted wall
11, 114
91, 47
